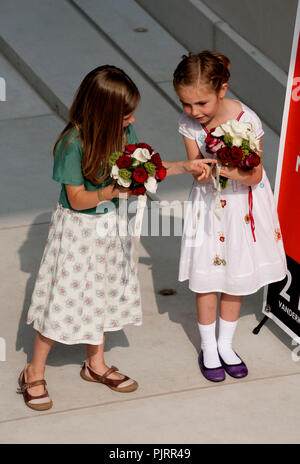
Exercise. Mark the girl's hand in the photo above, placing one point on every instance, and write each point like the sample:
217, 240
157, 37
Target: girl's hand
246, 177
230, 172
114, 190
199, 168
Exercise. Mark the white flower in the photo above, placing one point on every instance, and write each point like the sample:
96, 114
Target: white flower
239, 128
115, 172
254, 142
141, 154
123, 182
135, 163
151, 184
238, 131
237, 141
218, 132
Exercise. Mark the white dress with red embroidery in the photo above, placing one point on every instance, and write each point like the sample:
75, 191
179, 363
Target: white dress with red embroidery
242, 251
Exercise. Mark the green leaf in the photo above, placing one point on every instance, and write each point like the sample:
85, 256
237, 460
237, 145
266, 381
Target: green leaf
125, 174
113, 158
223, 182
228, 140
150, 168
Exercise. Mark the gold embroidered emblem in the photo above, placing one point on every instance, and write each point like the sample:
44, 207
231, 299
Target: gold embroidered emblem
218, 261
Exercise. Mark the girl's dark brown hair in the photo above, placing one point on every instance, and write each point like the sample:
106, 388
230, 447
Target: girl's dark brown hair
207, 67
104, 97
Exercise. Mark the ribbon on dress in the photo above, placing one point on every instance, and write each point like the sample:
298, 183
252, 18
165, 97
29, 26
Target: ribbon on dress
250, 201
215, 175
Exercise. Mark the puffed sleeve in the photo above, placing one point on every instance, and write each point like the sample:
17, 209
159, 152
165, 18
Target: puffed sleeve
67, 162
185, 127
257, 124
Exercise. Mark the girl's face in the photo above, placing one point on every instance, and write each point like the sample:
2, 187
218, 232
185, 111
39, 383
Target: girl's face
128, 119
200, 102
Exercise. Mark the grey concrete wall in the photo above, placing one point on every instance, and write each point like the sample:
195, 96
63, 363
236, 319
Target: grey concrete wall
267, 24
257, 78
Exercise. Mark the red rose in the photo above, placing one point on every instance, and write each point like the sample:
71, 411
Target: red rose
138, 190
129, 149
236, 156
144, 145
160, 173
123, 162
212, 142
252, 160
224, 155
140, 175
156, 159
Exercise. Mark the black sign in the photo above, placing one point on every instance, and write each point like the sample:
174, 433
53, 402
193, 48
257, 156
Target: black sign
283, 298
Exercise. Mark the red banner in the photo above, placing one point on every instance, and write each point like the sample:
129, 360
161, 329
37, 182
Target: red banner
289, 190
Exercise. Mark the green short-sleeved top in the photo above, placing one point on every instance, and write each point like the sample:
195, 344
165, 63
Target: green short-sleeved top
67, 167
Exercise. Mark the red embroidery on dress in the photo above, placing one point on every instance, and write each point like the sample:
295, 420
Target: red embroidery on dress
277, 235
240, 115
223, 203
250, 201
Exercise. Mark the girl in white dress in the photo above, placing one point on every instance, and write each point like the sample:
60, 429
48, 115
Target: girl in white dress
241, 251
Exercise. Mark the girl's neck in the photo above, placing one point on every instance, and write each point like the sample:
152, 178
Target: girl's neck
227, 109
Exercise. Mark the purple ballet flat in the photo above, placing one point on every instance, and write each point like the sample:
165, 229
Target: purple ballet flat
216, 374
235, 370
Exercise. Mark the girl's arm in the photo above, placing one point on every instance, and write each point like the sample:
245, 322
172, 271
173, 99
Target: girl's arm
251, 177
246, 177
198, 167
196, 164
80, 199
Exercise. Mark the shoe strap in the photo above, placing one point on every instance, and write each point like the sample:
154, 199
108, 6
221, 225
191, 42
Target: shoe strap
27, 385
103, 378
109, 371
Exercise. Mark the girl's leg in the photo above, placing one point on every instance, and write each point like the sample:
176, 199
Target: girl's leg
95, 356
230, 306
207, 304
207, 311
36, 369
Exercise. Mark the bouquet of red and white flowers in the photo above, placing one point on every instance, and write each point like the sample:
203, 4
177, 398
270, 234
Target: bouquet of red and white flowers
235, 144
138, 168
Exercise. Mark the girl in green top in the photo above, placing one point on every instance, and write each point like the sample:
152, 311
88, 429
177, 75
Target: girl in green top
87, 283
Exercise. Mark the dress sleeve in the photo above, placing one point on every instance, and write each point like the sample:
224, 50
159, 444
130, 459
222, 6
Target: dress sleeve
67, 163
257, 124
131, 135
185, 127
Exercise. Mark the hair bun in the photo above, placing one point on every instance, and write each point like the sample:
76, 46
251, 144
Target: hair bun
211, 67
222, 59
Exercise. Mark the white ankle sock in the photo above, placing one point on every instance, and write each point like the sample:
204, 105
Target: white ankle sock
226, 332
209, 345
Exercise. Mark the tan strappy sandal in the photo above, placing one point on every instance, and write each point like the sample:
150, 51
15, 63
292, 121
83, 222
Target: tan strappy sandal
39, 403
125, 385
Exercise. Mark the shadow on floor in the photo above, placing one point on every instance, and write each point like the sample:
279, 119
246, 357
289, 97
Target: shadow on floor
163, 259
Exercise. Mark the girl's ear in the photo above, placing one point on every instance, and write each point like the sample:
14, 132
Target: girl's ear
223, 90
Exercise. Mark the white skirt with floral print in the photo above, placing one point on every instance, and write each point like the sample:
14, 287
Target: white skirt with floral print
87, 282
